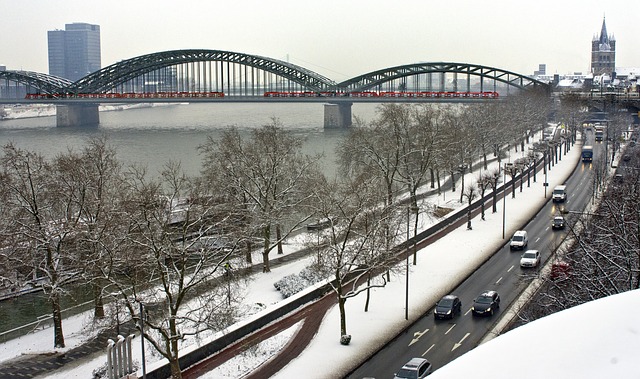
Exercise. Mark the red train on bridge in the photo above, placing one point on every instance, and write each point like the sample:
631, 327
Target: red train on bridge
394, 94
194, 95
128, 95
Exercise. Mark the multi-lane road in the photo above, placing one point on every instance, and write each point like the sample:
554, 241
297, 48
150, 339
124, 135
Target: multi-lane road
444, 340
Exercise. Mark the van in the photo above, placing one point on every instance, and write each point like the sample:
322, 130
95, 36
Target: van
559, 194
519, 240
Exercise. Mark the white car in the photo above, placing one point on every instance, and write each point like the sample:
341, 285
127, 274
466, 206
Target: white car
519, 240
530, 258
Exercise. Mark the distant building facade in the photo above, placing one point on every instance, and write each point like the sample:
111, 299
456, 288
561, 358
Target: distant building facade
603, 53
542, 70
75, 51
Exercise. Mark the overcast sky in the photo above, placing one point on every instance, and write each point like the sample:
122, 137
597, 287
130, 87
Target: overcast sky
336, 38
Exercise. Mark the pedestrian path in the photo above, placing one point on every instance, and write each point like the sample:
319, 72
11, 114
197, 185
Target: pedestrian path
33, 365
30, 366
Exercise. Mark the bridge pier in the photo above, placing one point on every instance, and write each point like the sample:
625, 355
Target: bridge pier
337, 115
77, 115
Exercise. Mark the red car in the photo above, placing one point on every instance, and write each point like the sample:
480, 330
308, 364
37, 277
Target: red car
560, 270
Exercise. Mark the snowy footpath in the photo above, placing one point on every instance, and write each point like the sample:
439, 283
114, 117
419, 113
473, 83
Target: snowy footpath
440, 267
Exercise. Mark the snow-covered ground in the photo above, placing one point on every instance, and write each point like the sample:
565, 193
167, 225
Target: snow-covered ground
8, 112
439, 268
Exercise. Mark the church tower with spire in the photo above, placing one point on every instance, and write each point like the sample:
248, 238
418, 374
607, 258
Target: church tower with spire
603, 53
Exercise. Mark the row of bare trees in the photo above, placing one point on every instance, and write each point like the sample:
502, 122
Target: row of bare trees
602, 256
171, 243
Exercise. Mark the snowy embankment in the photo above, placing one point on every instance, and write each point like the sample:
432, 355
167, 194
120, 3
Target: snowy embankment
440, 267
47, 110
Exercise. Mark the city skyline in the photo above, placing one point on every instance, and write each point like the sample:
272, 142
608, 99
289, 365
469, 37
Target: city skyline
337, 39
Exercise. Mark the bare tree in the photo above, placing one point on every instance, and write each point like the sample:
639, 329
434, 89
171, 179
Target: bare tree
470, 193
92, 179
173, 260
45, 219
355, 244
603, 254
266, 175
368, 149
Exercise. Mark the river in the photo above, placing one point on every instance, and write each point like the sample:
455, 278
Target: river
155, 135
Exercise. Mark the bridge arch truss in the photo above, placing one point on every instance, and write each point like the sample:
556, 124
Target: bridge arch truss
238, 74
202, 71
18, 82
440, 76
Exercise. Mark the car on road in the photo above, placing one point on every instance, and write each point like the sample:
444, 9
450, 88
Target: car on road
519, 240
486, 303
530, 258
319, 224
557, 223
416, 368
447, 307
559, 194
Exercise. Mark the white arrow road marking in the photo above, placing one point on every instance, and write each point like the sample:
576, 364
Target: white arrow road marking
417, 336
428, 350
452, 326
457, 345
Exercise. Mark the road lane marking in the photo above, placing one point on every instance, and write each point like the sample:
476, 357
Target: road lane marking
499, 280
511, 268
429, 349
467, 312
417, 336
452, 326
457, 345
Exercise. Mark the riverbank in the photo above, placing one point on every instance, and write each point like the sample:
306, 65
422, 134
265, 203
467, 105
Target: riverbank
20, 111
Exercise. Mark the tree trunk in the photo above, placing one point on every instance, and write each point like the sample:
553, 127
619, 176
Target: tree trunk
343, 315
366, 302
58, 336
98, 304
176, 372
433, 178
265, 251
279, 239
247, 253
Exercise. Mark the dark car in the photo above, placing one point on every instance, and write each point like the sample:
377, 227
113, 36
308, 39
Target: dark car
557, 223
486, 303
447, 307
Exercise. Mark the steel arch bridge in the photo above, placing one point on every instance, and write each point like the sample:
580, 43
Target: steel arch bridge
381, 78
239, 74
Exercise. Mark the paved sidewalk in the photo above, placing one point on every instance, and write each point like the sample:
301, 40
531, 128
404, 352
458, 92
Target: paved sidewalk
33, 365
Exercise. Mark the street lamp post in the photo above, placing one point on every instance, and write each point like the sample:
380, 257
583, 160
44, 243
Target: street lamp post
408, 251
504, 199
144, 363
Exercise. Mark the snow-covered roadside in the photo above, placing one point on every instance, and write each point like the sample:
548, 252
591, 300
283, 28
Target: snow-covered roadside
440, 267
387, 310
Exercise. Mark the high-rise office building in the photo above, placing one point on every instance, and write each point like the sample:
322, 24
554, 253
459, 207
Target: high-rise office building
75, 51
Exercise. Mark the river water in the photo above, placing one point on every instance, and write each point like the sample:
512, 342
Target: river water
155, 135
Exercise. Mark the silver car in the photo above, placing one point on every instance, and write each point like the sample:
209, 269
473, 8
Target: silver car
530, 258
